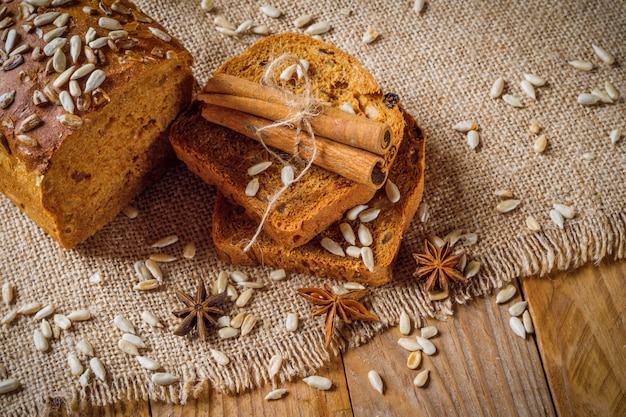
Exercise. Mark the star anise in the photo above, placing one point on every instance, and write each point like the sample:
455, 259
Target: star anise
437, 265
330, 303
199, 311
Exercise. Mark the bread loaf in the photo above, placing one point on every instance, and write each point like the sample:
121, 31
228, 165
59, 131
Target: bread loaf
222, 157
87, 90
231, 226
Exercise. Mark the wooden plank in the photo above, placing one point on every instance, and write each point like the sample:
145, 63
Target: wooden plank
300, 401
122, 409
579, 321
480, 369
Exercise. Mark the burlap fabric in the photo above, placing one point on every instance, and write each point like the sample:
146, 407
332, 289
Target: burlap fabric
442, 63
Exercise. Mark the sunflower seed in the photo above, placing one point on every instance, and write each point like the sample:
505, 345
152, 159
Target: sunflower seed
244, 26
276, 394
354, 212
148, 363
228, 332
353, 251
409, 344
421, 379
507, 205
252, 188
64, 77
258, 168
615, 135
189, 251
6, 99
151, 319
124, 324
291, 322
532, 224
109, 23
370, 35
45, 18
223, 321
248, 324
518, 327
535, 80
75, 90
365, 236
127, 347
163, 378
528, 322
222, 282
453, 237
9, 385
462, 263
566, 211
85, 377
603, 96
8, 293
428, 332
46, 329
62, 321
436, 241
350, 285
581, 65
220, 357
375, 380
11, 38
41, 343
540, 144
588, 156
414, 360
76, 46
318, 28
534, 127
303, 20
71, 121
496, 88
587, 99
85, 347
512, 100
611, 90
162, 257
518, 308
160, 34
244, 298
318, 382
76, 367
465, 126
61, 20
278, 275
472, 269
418, 6
473, 139
54, 33
428, 347
260, 30
154, 269
332, 246
231, 292
239, 276
368, 258
29, 308
98, 368
557, 218
604, 55
94, 81
237, 321
270, 11
51, 47
59, 62
39, 98
528, 89
9, 317
405, 323
46, 311
369, 215
227, 32
147, 285
67, 101
287, 174
347, 107
505, 294
135, 340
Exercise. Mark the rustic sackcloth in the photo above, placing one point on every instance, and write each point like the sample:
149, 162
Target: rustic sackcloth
442, 62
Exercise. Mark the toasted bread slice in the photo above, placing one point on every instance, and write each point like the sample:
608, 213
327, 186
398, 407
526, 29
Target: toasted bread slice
231, 227
222, 157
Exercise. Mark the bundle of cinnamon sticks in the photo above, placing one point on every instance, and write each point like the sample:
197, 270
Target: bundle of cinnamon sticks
347, 144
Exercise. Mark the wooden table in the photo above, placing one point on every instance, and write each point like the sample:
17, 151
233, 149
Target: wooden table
574, 364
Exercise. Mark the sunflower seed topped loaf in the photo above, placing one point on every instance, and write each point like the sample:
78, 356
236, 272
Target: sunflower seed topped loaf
223, 157
397, 201
87, 92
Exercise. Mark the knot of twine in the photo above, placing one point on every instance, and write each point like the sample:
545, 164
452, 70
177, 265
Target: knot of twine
306, 107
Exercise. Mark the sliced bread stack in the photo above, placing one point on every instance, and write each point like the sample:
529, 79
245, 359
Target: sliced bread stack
311, 213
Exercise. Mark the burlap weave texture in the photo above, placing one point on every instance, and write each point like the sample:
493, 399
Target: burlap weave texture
442, 64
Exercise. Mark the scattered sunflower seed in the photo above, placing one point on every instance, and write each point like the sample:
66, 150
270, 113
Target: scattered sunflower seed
507, 205
124, 324
8, 292
62, 321
409, 344
220, 357
423, 212
276, 394
465, 126
9, 317
98, 368
287, 174
46, 311
496, 88
587, 99
155, 269
532, 224
369, 215
505, 294
231, 292
528, 322
588, 156
239, 276
518, 308
160, 34
540, 144
611, 90
418, 6
135, 340
615, 135
252, 188
392, 191
557, 218
375, 380
518, 327
270, 11
318, 382
189, 251
472, 269
248, 324
76, 367
370, 35
244, 26
148, 363
151, 319
278, 274
163, 378
71, 121
6, 99
223, 321
581, 65
528, 89
303, 20
162, 257
421, 379
351, 285
404, 323
148, 285
368, 258
566, 211
332, 246
207, 5
428, 332
318, 28
85, 347
603, 96
428, 347
258, 168
244, 298
512, 100
604, 55
473, 139
9, 385
41, 343
29, 308
228, 332
414, 360
535, 80
127, 347
291, 322
46, 329
85, 377
260, 30
365, 236
354, 212
95, 80
503, 193
276, 362
353, 251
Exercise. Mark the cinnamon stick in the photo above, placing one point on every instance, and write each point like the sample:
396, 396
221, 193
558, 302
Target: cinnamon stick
334, 124
351, 163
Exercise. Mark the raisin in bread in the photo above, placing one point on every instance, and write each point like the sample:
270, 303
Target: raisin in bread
87, 92
222, 157
231, 226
